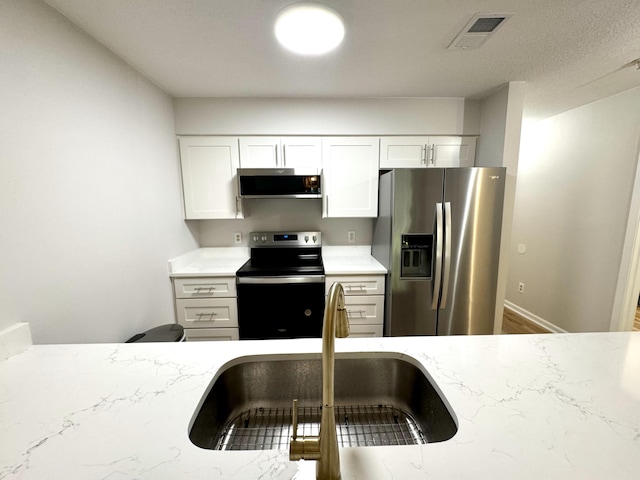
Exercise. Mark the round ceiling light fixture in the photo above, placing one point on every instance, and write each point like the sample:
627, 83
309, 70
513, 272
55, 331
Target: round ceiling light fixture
309, 28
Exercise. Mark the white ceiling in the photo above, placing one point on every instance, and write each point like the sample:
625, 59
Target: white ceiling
570, 52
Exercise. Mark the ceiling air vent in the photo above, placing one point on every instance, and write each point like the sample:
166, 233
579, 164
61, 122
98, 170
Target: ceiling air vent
478, 30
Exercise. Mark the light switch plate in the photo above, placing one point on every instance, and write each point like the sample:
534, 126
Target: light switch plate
237, 238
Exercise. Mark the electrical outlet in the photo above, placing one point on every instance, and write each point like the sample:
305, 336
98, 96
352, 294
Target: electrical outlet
520, 287
237, 238
351, 237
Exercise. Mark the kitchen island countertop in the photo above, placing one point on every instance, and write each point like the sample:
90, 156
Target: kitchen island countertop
528, 407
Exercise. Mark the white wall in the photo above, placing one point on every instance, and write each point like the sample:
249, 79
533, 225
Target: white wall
281, 215
326, 116
572, 203
498, 146
89, 185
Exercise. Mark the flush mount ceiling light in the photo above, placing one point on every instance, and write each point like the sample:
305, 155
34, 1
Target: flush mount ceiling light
309, 28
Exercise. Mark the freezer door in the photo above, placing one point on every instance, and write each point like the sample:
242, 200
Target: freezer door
410, 306
473, 199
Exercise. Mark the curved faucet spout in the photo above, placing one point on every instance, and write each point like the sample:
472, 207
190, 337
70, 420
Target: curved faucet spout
324, 448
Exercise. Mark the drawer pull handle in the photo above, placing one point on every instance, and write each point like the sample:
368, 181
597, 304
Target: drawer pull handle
360, 313
207, 314
353, 287
199, 289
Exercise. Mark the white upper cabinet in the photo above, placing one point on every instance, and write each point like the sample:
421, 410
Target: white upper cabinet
350, 176
209, 170
422, 152
280, 152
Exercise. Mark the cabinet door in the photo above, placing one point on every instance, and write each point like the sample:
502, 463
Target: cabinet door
350, 176
362, 331
365, 309
403, 152
207, 313
209, 168
205, 287
301, 152
212, 334
452, 151
260, 152
357, 284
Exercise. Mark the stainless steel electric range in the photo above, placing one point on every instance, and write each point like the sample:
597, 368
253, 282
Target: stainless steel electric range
281, 287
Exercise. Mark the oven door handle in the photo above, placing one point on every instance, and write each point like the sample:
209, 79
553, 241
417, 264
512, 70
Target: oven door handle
280, 280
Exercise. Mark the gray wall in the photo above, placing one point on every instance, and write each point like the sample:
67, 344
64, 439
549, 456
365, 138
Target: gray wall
573, 193
89, 185
498, 146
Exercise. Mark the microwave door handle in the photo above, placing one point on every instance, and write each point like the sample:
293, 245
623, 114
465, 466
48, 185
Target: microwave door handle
447, 255
438, 273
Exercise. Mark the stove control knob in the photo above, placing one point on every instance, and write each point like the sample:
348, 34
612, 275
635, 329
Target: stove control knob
264, 238
315, 239
306, 239
255, 238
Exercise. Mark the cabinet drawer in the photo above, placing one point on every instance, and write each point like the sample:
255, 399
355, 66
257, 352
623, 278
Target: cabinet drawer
358, 331
205, 287
211, 334
358, 284
207, 312
366, 309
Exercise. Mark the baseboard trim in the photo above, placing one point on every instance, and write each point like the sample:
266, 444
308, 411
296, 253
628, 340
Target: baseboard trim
533, 317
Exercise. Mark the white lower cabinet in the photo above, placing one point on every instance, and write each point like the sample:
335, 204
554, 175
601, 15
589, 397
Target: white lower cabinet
211, 334
364, 302
207, 307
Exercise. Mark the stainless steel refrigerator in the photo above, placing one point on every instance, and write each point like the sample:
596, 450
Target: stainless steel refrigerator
438, 234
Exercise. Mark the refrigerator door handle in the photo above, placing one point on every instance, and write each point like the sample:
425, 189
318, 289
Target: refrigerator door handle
447, 254
438, 272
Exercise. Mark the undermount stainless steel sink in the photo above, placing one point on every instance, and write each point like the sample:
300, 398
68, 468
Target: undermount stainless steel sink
380, 399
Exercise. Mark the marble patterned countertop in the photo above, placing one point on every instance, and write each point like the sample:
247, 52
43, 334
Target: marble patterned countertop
528, 407
224, 261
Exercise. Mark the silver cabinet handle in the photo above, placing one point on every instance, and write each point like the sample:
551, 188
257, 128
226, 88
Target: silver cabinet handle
438, 272
199, 315
276, 147
360, 313
432, 151
447, 254
423, 156
284, 156
198, 289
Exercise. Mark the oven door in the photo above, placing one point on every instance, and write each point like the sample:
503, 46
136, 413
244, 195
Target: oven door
280, 307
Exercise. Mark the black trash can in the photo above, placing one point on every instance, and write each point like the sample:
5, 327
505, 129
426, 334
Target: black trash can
171, 332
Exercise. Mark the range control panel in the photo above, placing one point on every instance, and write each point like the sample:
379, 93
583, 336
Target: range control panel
285, 239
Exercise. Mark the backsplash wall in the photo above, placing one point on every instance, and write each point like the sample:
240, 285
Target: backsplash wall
281, 215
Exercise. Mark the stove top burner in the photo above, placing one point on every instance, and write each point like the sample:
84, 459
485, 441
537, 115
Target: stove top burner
283, 254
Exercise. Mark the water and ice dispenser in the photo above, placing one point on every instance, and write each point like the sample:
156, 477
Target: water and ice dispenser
416, 254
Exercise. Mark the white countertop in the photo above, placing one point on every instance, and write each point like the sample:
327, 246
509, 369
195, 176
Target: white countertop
346, 260
224, 261
209, 262
528, 407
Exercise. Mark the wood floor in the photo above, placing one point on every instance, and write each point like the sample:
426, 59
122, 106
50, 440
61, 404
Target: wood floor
514, 323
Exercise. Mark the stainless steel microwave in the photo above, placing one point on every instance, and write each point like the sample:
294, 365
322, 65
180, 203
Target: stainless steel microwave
279, 183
